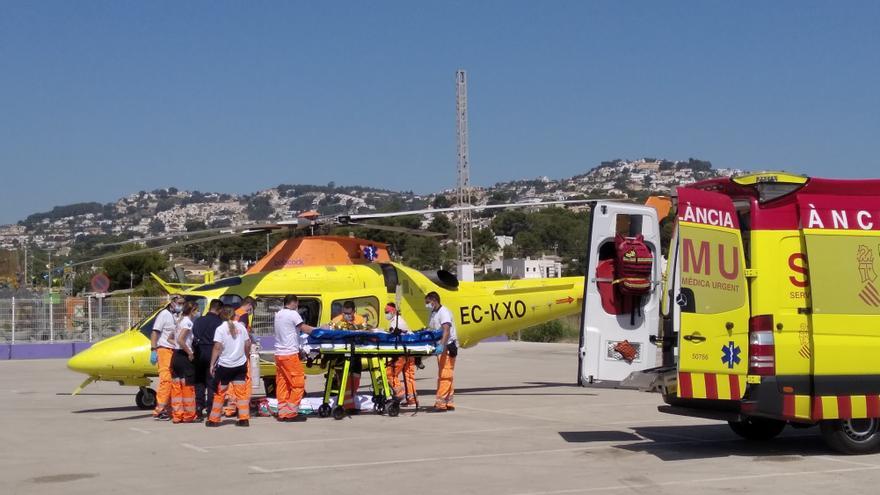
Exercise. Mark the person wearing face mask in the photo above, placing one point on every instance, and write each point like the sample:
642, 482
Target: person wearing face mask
290, 378
350, 320
440, 318
401, 365
162, 345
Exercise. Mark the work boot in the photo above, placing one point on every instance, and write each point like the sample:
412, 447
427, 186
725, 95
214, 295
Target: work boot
299, 418
211, 424
243, 422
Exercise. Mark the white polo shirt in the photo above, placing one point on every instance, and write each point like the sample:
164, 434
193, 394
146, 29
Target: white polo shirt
185, 323
438, 318
233, 354
166, 325
286, 332
399, 323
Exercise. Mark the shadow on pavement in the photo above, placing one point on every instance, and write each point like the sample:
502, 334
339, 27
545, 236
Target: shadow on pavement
680, 443
108, 409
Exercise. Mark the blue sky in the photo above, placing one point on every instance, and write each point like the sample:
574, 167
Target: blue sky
101, 99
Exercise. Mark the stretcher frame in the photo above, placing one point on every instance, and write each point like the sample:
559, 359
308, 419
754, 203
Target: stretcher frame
339, 357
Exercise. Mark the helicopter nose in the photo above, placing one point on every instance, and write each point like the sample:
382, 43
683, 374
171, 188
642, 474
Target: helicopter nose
84, 362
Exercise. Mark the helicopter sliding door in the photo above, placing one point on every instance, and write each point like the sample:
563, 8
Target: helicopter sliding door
615, 328
712, 298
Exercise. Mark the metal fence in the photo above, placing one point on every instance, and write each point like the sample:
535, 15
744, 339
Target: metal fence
84, 319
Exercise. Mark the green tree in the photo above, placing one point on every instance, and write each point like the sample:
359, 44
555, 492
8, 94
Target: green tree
423, 253
440, 223
259, 208
157, 226
194, 225
134, 268
510, 222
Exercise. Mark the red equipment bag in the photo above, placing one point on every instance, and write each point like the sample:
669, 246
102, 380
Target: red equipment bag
633, 265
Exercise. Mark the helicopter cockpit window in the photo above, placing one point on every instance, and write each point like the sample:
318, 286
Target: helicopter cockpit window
267, 306
368, 307
201, 301
231, 300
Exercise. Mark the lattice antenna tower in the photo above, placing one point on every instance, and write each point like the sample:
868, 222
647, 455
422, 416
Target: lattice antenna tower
465, 237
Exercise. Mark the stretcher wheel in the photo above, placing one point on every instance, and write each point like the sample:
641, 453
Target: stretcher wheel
338, 413
393, 409
145, 398
324, 410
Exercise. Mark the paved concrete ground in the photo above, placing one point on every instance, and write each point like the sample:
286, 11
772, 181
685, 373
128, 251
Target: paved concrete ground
520, 428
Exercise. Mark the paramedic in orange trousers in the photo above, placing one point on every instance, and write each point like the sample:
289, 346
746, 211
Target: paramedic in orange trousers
290, 378
441, 319
161, 351
183, 370
244, 314
405, 365
350, 320
232, 345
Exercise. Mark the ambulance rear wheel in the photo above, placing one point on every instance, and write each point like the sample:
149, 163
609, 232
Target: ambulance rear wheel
758, 429
145, 398
852, 436
338, 412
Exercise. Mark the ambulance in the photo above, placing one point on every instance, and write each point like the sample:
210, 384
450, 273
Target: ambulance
767, 313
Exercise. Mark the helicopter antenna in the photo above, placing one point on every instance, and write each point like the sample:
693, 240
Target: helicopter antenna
465, 234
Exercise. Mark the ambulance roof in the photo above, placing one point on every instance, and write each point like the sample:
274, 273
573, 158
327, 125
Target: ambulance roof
775, 194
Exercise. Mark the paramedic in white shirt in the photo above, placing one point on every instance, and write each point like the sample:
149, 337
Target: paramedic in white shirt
162, 347
440, 318
183, 370
290, 376
232, 345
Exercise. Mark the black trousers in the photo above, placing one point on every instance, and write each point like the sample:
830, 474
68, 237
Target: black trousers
205, 385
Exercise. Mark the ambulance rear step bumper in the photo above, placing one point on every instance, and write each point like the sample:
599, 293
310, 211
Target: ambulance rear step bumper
694, 412
662, 379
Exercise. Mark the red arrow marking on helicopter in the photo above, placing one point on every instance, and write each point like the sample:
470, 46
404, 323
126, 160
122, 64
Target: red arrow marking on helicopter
567, 300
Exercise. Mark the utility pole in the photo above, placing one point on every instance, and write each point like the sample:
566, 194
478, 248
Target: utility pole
27, 282
465, 234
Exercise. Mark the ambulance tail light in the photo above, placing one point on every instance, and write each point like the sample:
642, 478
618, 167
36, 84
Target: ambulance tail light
762, 350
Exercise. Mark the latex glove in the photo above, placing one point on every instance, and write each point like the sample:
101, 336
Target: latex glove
154, 357
439, 350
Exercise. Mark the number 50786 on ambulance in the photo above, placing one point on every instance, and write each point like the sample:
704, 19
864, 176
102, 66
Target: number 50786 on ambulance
770, 308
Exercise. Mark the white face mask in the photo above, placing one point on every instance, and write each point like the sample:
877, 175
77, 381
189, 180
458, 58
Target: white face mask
389, 316
430, 307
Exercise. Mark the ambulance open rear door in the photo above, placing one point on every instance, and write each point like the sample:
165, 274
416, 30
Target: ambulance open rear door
712, 299
616, 333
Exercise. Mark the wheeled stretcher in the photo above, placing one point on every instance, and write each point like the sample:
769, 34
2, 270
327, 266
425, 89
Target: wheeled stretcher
343, 351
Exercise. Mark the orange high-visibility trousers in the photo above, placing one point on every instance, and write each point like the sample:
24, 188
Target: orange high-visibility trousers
242, 394
407, 367
183, 401
229, 408
445, 387
163, 394
290, 384
354, 383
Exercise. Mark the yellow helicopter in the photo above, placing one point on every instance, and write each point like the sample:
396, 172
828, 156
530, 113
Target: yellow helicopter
326, 271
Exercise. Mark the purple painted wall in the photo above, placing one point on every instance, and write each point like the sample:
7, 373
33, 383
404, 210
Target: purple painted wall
65, 350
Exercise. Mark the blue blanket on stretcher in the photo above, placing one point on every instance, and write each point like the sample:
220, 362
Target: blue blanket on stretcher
421, 337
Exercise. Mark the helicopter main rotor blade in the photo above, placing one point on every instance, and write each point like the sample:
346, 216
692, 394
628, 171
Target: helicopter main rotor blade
240, 229
430, 211
162, 247
393, 228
